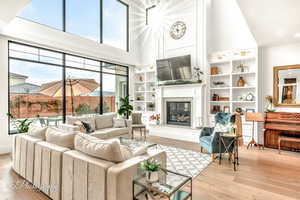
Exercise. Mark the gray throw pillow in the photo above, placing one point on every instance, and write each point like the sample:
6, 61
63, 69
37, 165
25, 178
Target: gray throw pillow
87, 126
136, 118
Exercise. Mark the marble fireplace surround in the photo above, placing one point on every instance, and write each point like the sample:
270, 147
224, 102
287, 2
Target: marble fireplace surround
193, 93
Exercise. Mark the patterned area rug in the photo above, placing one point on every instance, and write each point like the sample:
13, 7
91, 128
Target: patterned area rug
185, 162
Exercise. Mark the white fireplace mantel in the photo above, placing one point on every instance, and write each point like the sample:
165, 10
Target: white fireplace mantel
187, 92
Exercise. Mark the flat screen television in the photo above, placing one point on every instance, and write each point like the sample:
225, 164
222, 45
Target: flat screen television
174, 69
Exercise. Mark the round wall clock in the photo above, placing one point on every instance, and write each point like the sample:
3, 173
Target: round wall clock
177, 30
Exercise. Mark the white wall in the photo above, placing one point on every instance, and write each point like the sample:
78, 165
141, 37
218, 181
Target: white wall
156, 42
277, 56
5, 140
229, 29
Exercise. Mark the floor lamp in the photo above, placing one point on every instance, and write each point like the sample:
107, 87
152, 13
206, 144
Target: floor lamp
254, 117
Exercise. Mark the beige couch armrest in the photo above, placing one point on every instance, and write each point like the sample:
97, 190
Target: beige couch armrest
47, 168
23, 155
69, 127
120, 176
84, 175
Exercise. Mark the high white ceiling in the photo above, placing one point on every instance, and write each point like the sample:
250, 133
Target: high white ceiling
9, 9
272, 22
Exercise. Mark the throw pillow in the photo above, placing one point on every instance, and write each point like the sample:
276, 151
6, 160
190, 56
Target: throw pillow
87, 126
220, 128
37, 131
136, 118
60, 137
109, 150
119, 123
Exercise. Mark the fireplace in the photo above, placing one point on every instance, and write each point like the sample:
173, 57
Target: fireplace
179, 113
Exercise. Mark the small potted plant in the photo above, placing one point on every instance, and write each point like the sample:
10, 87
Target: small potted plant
152, 168
22, 125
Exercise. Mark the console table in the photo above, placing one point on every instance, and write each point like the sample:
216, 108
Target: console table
282, 123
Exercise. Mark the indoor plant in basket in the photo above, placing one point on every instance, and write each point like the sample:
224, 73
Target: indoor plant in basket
152, 168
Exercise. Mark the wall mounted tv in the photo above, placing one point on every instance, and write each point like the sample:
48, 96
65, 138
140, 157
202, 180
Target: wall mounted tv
174, 69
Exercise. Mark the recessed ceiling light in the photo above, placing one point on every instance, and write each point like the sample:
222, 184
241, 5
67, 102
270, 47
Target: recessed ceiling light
297, 35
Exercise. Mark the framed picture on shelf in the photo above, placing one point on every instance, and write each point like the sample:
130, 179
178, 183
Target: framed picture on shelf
250, 110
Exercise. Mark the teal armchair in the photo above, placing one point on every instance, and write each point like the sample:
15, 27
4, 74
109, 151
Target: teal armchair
209, 138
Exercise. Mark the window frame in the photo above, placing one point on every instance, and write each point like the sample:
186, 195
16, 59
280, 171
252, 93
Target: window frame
101, 23
64, 67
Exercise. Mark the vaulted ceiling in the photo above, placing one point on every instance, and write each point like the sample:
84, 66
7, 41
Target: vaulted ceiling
272, 22
9, 9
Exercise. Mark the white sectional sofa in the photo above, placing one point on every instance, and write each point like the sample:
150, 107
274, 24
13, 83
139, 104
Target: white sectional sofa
69, 174
102, 124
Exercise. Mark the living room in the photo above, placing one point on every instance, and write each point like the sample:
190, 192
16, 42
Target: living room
149, 99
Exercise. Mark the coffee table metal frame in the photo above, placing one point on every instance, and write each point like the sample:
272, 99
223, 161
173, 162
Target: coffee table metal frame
148, 189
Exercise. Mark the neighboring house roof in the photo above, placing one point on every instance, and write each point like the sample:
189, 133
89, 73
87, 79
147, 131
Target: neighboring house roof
14, 75
25, 88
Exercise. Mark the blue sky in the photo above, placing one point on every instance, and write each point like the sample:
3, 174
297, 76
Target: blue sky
82, 18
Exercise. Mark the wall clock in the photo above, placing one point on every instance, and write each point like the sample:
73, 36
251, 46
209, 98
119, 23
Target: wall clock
178, 30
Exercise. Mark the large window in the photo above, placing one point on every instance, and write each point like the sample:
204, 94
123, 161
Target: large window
48, 12
45, 86
82, 18
104, 21
115, 23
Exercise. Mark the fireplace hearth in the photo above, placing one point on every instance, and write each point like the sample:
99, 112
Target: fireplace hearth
179, 113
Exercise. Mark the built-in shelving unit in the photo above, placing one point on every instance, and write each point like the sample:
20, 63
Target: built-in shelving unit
231, 65
144, 91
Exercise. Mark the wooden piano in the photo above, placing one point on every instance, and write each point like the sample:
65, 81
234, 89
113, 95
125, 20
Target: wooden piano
282, 123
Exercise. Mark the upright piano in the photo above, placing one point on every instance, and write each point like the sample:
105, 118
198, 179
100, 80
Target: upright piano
282, 123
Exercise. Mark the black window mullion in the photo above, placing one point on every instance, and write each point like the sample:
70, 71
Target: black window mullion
101, 21
101, 89
64, 89
127, 31
64, 15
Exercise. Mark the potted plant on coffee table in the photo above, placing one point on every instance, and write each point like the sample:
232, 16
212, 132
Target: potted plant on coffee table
152, 168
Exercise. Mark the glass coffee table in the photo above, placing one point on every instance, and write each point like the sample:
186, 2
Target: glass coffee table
171, 186
135, 143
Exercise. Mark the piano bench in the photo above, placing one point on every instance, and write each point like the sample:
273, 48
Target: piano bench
287, 139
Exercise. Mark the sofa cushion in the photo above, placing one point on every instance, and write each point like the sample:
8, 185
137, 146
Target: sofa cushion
110, 132
73, 120
109, 150
119, 123
104, 121
60, 137
37, 131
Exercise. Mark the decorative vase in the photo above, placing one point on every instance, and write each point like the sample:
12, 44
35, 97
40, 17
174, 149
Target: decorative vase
151, 177
270, 107
241, 82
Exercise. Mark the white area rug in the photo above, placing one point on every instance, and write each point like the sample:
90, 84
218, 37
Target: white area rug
185, 162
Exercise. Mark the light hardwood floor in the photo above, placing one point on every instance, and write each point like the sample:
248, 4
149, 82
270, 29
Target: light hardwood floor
262, 175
